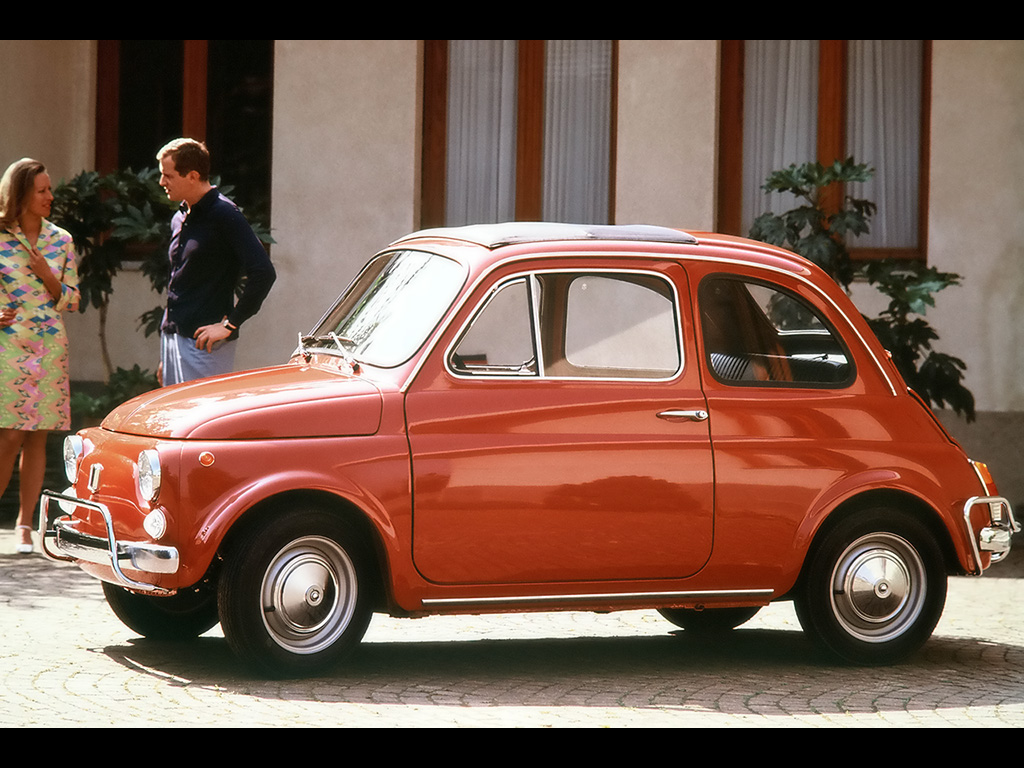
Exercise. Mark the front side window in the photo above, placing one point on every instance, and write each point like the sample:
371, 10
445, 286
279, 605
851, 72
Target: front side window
500, 339
605, 325
755, 333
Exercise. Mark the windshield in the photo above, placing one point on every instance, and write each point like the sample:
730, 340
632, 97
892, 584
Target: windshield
393, 305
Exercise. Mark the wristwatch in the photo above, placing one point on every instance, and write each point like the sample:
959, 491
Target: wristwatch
228, 325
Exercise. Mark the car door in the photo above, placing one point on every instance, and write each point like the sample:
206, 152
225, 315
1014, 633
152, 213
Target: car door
561, 434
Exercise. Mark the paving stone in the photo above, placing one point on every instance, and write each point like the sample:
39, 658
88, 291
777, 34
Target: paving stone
66, 660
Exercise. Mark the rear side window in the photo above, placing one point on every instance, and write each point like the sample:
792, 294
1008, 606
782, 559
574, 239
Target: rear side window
756, 333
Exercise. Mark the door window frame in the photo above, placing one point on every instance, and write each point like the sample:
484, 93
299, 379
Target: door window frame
542, 345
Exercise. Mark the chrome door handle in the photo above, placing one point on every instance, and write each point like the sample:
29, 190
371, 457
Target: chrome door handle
697, 415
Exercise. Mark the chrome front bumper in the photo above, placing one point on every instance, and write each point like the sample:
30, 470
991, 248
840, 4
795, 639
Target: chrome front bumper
72, 545
994, 538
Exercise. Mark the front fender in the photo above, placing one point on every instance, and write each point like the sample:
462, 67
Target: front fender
221, 482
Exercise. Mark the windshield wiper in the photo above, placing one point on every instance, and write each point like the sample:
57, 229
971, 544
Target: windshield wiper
345, 353
307, 354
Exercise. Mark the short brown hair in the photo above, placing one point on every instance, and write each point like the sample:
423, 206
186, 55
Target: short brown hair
187, 155
17, 183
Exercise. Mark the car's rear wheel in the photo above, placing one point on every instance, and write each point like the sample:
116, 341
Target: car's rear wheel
182, 616
294, 596
874, 589
709, 620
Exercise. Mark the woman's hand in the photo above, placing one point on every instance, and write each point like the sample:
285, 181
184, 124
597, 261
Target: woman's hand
37, 262
7, 316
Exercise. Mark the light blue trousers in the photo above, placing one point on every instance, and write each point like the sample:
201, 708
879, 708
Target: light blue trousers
182, 361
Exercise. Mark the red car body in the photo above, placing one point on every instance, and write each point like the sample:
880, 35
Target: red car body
503, 455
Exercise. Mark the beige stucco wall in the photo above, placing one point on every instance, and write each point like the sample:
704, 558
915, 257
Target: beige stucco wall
975, 228
976, 212
345, 174
48, 88
127, 344
667, 133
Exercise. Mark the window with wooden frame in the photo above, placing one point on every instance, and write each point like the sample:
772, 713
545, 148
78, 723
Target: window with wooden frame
217, 91
795, 101
518, 130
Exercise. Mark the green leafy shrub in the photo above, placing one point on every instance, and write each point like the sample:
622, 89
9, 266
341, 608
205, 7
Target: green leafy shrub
821, 236
110, 217
902, 329
808, 229
124, 384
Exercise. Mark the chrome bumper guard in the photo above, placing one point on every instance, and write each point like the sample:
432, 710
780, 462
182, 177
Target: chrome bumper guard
994, 538
73, 545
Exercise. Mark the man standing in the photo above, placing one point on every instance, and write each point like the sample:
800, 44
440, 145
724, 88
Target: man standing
212, 246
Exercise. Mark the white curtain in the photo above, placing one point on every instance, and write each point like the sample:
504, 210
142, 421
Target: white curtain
482, 108
883, 127
884, 130
481, 172
577, 130
780, 117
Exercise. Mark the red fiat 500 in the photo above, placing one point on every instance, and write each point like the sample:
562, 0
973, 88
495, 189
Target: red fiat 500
533, 417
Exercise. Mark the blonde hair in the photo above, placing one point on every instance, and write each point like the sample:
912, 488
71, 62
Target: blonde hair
15, 186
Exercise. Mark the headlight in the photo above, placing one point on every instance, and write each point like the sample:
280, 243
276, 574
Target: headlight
149, 474
73, 449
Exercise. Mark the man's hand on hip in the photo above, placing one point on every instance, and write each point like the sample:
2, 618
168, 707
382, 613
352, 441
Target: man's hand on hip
207, 336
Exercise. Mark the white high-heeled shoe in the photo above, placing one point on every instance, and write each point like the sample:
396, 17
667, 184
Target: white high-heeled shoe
21, 548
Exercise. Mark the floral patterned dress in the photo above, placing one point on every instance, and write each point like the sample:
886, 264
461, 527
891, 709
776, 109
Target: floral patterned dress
34, 348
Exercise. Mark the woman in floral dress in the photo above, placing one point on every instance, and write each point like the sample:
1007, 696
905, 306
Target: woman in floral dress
38, 282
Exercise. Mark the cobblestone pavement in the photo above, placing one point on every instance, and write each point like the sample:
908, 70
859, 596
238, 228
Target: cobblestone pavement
66, 660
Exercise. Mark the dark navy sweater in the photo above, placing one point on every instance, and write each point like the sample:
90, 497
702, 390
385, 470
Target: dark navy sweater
212, 246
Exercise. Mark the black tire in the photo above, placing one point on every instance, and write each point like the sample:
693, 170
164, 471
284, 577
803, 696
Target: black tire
709, 620
183, 616
294, 595
874, 588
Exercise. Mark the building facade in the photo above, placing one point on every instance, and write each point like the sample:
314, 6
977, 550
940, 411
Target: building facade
362, 153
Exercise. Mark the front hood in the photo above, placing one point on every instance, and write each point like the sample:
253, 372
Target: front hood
279, 402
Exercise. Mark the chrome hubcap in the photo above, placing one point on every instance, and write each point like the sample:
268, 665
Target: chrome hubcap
878, 587
309, 594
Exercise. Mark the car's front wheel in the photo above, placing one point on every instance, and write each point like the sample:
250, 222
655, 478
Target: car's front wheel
875, 588
294, 596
